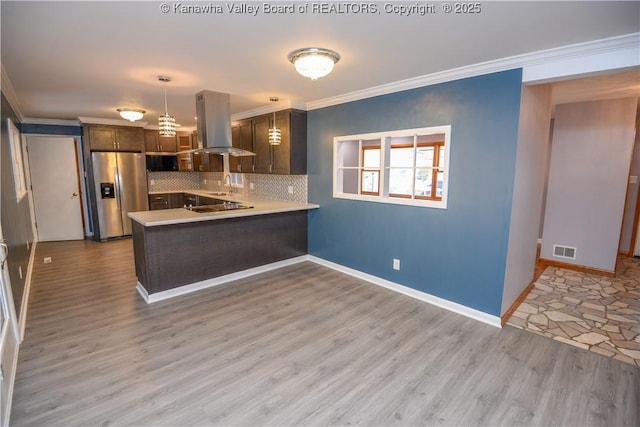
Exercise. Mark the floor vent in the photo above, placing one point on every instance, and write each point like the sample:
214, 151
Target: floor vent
564, 252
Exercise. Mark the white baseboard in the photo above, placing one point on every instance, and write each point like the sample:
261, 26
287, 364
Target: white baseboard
422, 296
419, 295
216, 281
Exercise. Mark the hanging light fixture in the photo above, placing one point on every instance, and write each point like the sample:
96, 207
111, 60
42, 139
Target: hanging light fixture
166, 123
314, 62
131, 114
275, 136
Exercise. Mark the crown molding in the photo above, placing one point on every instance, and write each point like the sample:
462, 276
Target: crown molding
582, 58
276, 106
113, 122
10, 94
56, 122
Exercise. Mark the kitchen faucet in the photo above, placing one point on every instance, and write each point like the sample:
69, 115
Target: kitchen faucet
227, 178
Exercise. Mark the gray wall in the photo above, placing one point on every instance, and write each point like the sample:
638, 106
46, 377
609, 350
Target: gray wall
531, 160
632, 193
15, 216
590, 158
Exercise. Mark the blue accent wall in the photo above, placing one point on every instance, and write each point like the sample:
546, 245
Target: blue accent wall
458, 253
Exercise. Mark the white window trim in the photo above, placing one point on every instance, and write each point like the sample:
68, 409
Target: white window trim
384, 138
17, 163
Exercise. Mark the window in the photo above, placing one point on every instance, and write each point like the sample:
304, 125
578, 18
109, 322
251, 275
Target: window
15, 149
402, 167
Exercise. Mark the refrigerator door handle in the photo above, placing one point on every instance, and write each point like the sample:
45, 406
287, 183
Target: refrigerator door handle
116, 175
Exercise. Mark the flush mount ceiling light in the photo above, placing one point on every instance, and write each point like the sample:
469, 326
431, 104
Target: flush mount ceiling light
166, 123
131, 114
314, 62
275, 136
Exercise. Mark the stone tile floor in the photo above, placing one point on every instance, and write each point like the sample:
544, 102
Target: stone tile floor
596, 313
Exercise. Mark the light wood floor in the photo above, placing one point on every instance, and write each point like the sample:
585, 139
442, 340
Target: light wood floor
303, 345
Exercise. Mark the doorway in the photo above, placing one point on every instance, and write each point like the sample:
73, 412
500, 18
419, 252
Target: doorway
56, 189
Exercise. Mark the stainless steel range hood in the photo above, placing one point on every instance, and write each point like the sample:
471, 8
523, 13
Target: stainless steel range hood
213, 110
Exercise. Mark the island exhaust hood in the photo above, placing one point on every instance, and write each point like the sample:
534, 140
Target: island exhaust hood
213, 110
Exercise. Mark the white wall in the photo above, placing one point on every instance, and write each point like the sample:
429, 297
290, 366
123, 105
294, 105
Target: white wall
531, 159
590, 159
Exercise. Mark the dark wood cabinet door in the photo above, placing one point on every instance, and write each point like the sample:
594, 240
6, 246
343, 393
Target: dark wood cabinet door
158, 201
151, 143
242, 137
102, 137
216, 163
168, 144
129, 138
201, 162
176, 200
246, 135
236, 141
261, 147
281, 154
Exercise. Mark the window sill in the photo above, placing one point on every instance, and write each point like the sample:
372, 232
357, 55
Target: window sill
437, 204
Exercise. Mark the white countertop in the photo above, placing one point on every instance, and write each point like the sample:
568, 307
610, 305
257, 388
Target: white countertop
181, 215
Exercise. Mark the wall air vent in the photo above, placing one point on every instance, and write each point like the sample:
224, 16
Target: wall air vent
564, 252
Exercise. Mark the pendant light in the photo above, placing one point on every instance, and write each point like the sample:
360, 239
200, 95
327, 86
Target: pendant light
166, 123
314, 62
275, 136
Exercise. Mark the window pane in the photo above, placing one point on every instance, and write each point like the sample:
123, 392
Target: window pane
424, 157
424, 182
370, 181
401, 157
401, 181
371, 158
441, 160
439, 184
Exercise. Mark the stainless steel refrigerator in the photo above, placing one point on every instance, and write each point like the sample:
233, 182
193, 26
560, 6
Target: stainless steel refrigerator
120, 187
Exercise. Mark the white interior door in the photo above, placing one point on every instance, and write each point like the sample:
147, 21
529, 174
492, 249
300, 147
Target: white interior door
9, 337
56, 188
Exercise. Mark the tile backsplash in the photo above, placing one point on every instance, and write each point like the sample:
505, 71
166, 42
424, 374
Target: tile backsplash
267, 186
170, 181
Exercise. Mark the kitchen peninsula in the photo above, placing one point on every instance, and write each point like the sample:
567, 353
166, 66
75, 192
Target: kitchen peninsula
180, 250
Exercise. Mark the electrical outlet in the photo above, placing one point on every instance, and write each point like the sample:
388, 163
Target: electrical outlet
204, 181
152, 181
219, 182
290, 189
47, 260
251, 186
396, 264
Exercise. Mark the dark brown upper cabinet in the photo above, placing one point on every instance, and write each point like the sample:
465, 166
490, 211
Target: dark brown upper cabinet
114, 138
288, 158
154, 143
242, 137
